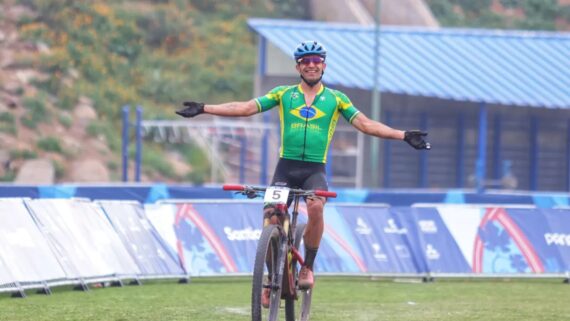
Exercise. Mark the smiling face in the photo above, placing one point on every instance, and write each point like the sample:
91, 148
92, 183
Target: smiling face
311, 68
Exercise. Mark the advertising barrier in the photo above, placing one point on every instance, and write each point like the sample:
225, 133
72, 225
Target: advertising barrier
149, 251
45, 242
152, 193
220, 237
83, 238
25, 255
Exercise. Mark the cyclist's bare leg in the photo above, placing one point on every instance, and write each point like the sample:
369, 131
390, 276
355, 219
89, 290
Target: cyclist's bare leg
312, 238
316, 223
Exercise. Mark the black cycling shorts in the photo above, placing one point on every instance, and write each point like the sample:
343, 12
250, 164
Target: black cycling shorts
299, 174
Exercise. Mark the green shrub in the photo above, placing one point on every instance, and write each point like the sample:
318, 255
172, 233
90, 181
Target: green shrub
108, 131
65, 120
59, 169
153, 159
8, 128
67, 98
8, 176
23, 153
201, 167
27, 121
95, 129
36, 111
112, 165
8, 123
50, 144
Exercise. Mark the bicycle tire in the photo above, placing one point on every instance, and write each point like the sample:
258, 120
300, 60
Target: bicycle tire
269, 249
302, 304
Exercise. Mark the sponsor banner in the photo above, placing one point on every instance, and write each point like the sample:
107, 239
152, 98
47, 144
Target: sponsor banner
496, 240
230, 229
380, 239
558, 237
184, 230
462, 222
155, 192
140, 239
218, 238
83, 238
431, 240
24, 253
338, 250
545, 240
501, 246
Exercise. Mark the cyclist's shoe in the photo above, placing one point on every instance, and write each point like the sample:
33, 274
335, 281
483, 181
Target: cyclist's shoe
265, 297
306, 280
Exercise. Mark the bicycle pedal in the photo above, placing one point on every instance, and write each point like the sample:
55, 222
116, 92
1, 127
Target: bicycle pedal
272, 287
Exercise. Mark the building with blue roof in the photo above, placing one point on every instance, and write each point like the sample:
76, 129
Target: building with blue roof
495, 103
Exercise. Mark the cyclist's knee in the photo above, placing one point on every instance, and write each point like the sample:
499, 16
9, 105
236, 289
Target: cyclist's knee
315, 206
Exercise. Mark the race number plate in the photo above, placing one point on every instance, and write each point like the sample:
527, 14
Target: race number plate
276, 194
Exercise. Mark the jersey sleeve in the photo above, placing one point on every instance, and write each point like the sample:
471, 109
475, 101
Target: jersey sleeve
346, 107
271, 99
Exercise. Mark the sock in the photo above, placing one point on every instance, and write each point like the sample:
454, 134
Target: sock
310, 255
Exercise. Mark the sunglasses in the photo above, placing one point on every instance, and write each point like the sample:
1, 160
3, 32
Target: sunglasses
308, 60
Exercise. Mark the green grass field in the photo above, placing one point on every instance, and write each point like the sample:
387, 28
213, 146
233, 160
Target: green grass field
335, 299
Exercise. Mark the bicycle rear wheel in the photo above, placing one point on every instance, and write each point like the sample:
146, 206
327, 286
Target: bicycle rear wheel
298, 309
267, 273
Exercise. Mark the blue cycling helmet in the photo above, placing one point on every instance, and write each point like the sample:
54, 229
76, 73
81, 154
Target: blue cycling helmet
310, 47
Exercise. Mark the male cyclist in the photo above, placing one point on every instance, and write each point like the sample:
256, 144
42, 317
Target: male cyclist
309, 112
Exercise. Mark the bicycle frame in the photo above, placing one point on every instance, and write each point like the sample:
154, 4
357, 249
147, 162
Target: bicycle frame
283, 278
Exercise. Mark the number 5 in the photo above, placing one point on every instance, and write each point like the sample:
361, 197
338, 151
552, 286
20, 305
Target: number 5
276, 194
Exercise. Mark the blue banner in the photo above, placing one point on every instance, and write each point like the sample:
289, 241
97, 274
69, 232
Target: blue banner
221, 237
152, 193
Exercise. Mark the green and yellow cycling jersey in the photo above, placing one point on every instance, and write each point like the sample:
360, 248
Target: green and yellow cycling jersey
307, 131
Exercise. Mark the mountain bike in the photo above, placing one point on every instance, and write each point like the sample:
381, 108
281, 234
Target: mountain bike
278, 258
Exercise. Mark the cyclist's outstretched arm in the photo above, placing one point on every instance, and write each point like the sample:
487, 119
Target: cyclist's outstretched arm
375, 128
231, 109
414, 138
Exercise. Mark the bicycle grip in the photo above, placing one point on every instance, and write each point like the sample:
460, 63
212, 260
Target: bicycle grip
325, 193
232, 187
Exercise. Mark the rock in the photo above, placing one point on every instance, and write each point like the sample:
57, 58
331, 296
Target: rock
43, 48
4, 157
71, 144
85, 100
179, 165
36, 171
90, 170
12, 87
25, 76
16, 13
84, 114
10, 101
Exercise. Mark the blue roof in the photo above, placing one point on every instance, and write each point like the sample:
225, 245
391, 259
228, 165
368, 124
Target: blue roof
493, 66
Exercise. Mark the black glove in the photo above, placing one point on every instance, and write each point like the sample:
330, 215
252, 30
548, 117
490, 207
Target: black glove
192, 109
416, 139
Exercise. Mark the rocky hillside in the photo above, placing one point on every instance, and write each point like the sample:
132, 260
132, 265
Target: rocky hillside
40, 143
66, 68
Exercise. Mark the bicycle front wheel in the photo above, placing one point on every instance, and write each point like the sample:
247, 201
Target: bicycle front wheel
297, 309
267, 274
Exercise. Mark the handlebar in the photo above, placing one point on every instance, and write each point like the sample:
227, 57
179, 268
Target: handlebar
296, 191
230, 187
